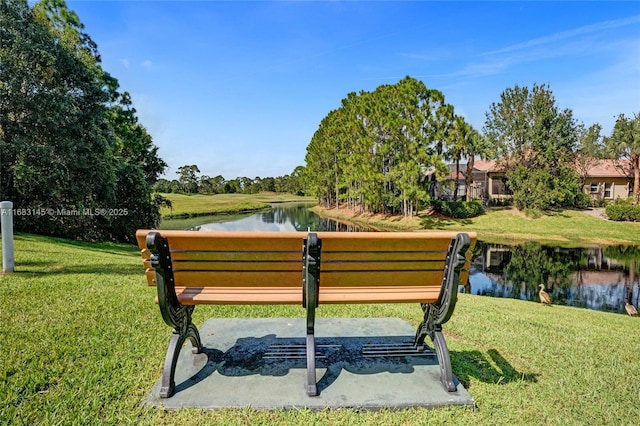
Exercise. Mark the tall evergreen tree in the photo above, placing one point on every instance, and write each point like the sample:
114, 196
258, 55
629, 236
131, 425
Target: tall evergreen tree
377, 148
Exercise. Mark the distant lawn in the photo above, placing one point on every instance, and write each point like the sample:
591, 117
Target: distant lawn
83, 343
201, 205
506, 225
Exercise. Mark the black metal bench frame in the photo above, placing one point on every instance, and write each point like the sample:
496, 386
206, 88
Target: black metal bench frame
178, 316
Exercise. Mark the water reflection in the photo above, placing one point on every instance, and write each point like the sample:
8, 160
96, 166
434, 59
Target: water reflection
592, 277
599, 278
282, 217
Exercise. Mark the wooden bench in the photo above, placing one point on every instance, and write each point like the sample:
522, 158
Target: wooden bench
198, 267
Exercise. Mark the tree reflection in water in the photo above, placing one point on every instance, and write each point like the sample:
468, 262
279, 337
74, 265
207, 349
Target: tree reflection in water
300, 218
600, 278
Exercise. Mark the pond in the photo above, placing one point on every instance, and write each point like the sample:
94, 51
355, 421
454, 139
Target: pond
281, 217
599, 278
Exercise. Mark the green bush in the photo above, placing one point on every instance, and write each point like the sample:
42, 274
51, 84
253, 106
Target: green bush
623, 211
500, 202
582, 201
458, 209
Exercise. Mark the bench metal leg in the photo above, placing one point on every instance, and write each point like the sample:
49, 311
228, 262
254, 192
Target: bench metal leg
178, 339
312, 388
310, 284
446, 376
428, 327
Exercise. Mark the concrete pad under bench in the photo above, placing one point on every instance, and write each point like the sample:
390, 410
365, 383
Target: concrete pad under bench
366, 363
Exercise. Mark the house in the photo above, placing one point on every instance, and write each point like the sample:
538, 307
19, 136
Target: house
607, 180
489, 180
603, 180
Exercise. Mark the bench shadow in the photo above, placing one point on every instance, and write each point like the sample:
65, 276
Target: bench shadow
487, 367
273, 356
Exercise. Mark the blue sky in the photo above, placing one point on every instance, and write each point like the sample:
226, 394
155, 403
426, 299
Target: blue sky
239, 88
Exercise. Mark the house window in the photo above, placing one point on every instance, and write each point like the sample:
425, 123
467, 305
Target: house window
594, 188
499, 186
607, 190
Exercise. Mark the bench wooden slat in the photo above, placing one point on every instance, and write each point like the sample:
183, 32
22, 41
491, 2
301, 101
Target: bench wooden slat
384, 278
240, 295
231, 256
240, 279
235, 241
390, 242
380, 294
366, 266
237, 266
378, 255
151, 277
291, 295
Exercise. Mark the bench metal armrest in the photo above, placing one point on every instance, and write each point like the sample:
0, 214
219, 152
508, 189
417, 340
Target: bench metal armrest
453, 267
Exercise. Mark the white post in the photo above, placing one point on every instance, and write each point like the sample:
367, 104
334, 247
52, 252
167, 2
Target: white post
6, 213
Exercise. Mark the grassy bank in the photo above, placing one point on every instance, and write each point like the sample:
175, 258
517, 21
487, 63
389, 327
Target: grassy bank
507, 225
203, 205
83, 342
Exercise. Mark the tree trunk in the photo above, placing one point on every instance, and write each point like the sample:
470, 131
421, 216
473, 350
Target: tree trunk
468, 179
457, 183
635, 160
632, 279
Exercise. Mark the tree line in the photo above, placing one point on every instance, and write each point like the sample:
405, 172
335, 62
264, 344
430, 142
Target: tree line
190, 182
385, 151
75, 160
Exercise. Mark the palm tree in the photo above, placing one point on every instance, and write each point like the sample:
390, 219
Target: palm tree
476, 146
625, 143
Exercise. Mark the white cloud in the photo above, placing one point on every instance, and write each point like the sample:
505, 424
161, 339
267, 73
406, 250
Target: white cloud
147, 64
125, 62
587, 29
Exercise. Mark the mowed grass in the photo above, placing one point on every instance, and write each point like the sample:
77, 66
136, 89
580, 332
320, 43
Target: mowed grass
83, 343
201, 205
507, 225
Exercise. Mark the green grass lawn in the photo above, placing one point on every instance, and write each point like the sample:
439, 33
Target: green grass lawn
505, 225
83, 343
202, 205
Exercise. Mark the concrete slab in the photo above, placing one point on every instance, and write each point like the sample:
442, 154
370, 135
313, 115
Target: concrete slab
365, 363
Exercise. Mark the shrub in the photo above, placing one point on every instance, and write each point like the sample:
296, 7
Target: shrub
623, 211
500, 202
582, 201
458, 209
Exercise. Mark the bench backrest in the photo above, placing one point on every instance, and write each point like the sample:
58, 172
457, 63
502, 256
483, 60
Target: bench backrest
205, 259
409, 267
354, 267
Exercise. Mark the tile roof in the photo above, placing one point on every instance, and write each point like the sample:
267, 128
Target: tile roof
609, 168
599, 168
485, 166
